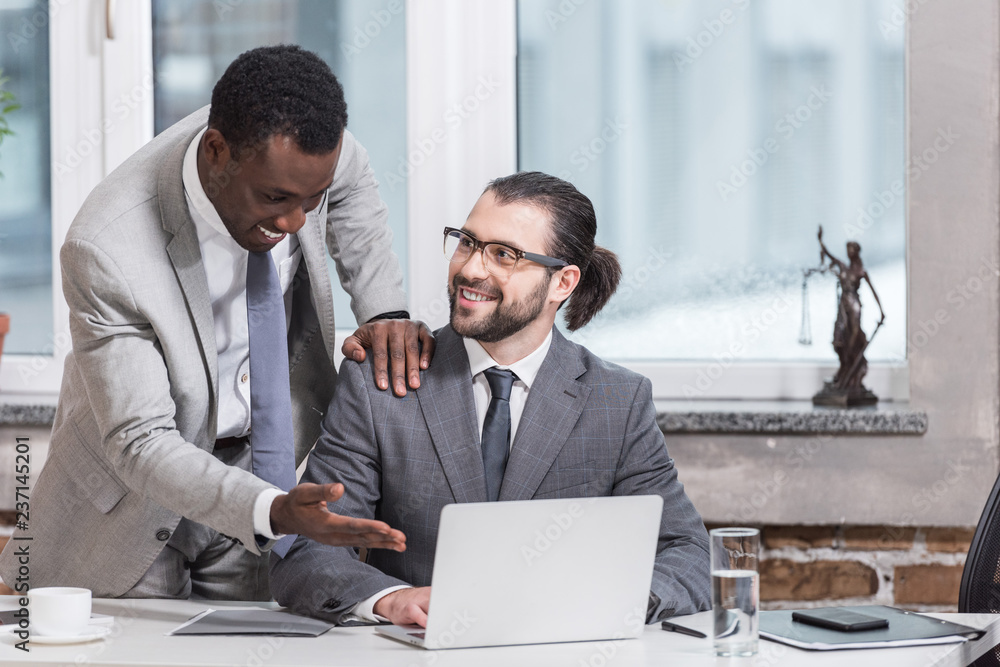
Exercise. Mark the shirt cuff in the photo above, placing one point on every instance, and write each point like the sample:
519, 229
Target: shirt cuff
365, 610
392, 315
262, 513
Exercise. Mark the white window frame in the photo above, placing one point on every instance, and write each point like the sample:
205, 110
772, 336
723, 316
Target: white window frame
89, 137
461, 87
462, 132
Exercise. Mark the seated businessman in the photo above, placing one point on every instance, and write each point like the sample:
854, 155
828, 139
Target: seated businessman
510, 410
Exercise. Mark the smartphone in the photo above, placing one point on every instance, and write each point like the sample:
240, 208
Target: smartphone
838, 618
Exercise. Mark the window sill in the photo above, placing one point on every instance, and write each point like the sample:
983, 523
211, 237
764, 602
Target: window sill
736, 417
24, 410
788, 418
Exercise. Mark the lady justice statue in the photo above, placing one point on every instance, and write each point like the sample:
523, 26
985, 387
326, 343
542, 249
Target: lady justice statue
849, 341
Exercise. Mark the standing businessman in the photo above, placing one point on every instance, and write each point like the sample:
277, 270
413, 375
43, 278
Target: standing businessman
510, 410
203, 337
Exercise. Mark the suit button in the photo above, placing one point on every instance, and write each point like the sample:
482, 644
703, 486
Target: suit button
163, 534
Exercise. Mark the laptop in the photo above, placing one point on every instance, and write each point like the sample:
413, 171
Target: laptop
539, 571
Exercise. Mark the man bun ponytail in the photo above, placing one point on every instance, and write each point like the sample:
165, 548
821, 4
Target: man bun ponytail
598, 283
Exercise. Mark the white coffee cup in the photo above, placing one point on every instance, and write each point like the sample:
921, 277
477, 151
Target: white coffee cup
58, 611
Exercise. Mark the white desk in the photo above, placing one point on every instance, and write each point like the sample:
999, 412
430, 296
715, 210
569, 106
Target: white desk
137, 638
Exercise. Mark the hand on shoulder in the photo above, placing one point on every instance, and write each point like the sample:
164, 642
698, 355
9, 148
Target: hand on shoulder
402, 347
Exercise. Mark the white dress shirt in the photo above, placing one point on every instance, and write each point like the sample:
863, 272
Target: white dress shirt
526, 371
225, 263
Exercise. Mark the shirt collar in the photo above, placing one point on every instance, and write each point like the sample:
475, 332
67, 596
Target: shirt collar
199, 201
525, 369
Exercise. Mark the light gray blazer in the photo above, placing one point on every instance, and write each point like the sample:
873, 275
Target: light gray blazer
131, 449
588, 429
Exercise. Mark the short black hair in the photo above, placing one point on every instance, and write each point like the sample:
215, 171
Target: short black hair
279, 90
571, 237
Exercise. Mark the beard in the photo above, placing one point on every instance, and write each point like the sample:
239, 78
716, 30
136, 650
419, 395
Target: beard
505, 320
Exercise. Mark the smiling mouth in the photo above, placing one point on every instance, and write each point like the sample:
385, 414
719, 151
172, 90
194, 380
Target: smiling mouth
270, 235
475, 296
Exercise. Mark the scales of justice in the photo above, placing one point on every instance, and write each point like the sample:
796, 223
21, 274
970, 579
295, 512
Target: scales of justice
845, 389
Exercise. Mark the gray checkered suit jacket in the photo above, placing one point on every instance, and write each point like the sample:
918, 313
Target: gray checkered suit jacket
588, 429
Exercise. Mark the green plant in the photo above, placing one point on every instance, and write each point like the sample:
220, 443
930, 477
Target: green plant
7, 105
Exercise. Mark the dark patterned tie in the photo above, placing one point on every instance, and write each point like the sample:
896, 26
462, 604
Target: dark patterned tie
496, 430
271, 436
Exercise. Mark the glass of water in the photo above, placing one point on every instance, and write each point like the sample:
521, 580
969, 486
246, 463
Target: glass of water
735, 590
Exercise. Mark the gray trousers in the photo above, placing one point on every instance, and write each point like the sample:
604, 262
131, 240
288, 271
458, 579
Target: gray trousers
197, 562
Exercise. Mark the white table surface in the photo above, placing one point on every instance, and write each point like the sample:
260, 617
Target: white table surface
138, 639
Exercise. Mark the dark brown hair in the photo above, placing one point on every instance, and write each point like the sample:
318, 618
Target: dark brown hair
571, 238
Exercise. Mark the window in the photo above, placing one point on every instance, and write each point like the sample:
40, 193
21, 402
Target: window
714, 139
25, 186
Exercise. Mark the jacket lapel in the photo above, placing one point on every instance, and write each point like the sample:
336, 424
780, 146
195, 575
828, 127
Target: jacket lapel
312, 241
449, 410
554, 405
185, 254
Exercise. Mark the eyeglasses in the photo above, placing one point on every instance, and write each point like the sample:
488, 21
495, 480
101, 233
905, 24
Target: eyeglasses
498, 258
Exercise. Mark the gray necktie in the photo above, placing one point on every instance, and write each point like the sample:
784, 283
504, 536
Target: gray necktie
496, 430
271, 437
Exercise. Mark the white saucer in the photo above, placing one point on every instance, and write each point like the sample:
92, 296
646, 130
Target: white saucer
89, 634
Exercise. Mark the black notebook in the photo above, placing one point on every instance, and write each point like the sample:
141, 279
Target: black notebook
906, 628
251, 621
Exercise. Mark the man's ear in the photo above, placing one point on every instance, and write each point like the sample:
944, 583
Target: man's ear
563, 282
216, 149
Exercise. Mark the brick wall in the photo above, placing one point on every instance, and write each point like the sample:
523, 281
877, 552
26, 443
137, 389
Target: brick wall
912, 568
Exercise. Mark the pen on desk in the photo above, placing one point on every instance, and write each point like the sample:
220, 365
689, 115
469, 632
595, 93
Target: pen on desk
681, 630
